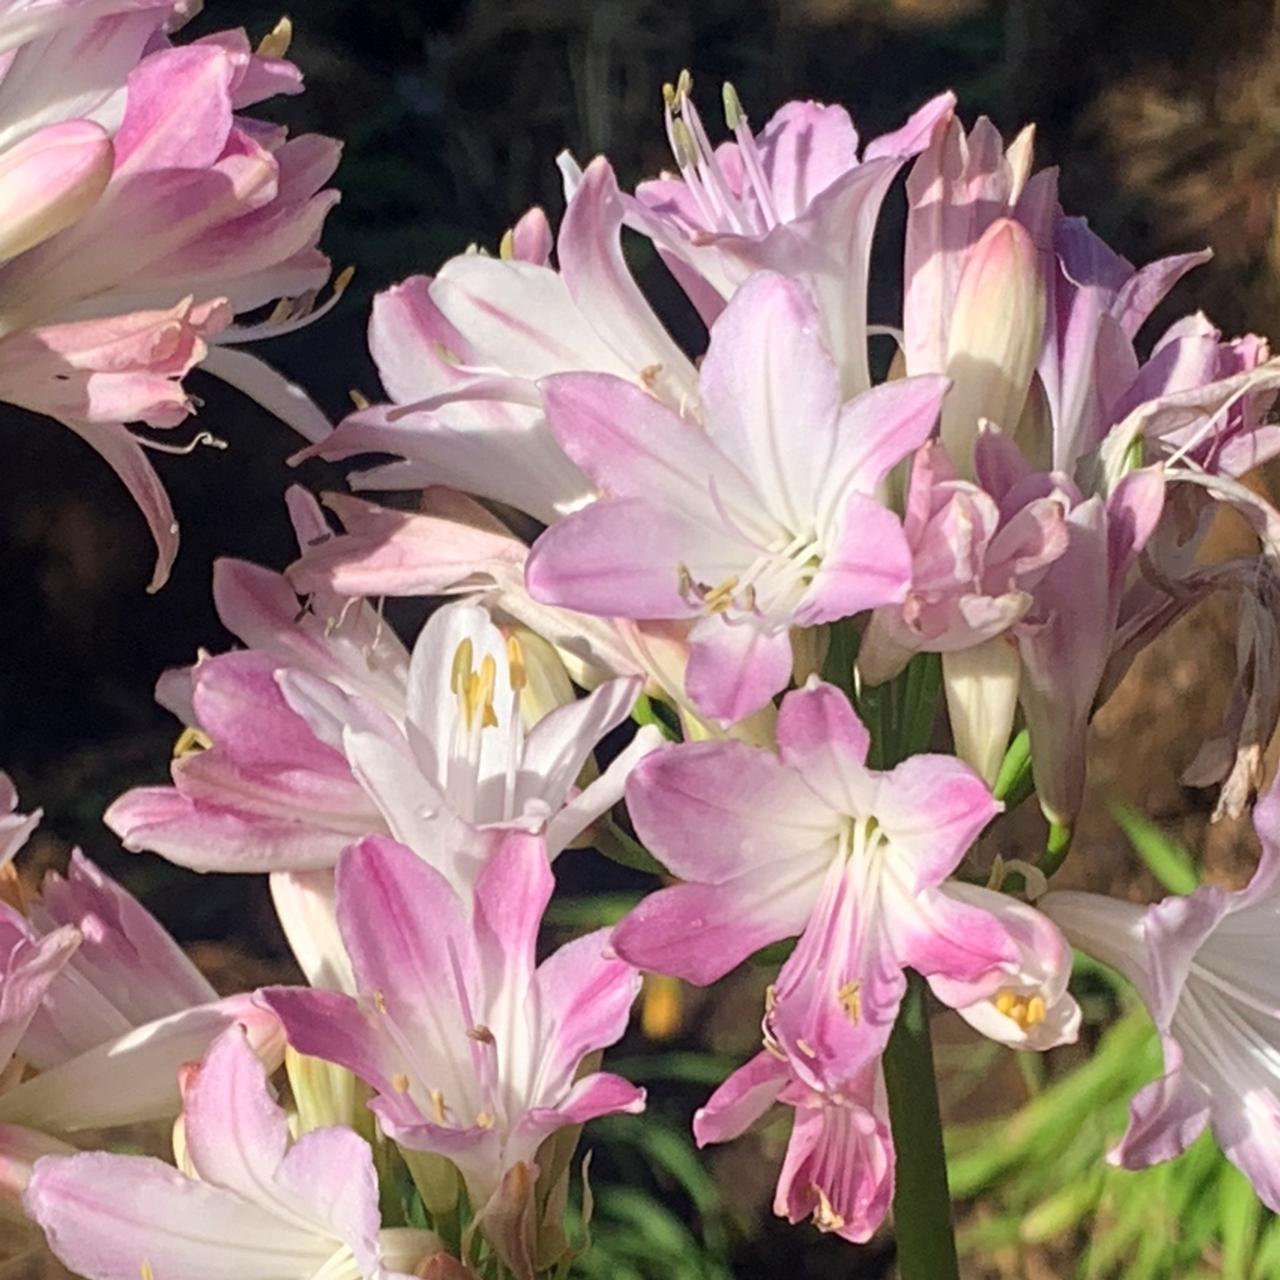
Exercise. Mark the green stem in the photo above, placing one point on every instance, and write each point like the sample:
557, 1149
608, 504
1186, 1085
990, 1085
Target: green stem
921, 1200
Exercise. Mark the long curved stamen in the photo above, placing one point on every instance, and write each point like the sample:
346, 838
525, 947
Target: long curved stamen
752, 166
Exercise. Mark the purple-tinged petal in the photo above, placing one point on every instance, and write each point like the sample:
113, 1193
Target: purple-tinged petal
867, 564
621, 558
771, 393
736, 666
743, 1098
699, 932
1165, 1117
710, 811
584, 998
932, 809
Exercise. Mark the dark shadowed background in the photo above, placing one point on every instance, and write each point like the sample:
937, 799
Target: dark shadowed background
1164, 118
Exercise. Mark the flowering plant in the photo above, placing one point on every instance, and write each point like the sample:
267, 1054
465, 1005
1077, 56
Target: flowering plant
827, 610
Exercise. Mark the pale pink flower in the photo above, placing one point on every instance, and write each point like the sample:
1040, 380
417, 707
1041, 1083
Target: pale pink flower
812, 842
141, 213
796, 198
759, 518
461, 353
472, 1051
1205, 967
253, 1205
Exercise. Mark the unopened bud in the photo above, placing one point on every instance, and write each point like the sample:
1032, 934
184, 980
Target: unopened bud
982, 695
995, 338
49, 181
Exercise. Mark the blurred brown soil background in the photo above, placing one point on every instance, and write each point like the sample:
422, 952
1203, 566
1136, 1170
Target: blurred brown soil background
1163, 116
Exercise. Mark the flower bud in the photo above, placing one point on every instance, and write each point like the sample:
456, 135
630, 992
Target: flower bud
995, 338
981, 684
50, 180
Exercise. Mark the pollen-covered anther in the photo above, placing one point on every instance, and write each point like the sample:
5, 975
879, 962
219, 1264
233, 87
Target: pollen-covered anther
825, 1217
719, 598
1026, 1011
518, 671
486, 1120
437, 1105
850, 997
380, 1002
400, 1082
275, 44
191, 742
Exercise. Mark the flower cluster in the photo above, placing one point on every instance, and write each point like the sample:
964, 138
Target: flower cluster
141, 213
761, 562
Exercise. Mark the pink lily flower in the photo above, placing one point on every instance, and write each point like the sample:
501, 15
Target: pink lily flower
838, 1170
252, 1206
301, 765
472, 1051
761, 519
812, 842
97, 996
1204, 965
461, 355
795, 198
141, 213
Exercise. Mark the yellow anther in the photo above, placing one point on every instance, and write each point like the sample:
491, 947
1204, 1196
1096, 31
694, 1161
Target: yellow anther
437, 1105
684, 83
507, 245
649, 375
682, 141
806, 1048
380, 1002
720, 598
518, 673
460, 672
358, 398
733, 112
825, 1217
400, 1082
850, 997
275, 44
1026, 1011
481, 1033
343, 279
669, 95
191, 742
485, 1120
445, 354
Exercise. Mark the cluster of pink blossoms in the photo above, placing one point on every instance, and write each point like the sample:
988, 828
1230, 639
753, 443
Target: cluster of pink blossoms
1021, 493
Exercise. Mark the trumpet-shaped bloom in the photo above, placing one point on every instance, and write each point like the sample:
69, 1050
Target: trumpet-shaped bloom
473, 1052
139, 213
838, 1170
301, 764
812, 842
1204, 965
253, 1205
760, 519
795, 198
460, 355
